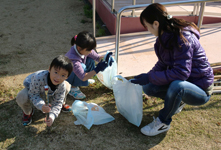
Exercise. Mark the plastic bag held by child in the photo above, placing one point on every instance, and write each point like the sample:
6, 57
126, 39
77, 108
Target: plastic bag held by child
129, 101
107, 75
88, 114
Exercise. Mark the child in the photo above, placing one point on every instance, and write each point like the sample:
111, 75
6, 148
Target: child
182, 73
34, 92
83, 57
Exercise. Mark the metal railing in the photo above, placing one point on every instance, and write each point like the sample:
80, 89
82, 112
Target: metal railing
118, 22
194, 12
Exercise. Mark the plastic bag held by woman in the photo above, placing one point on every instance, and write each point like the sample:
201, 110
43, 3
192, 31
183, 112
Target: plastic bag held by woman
129, 101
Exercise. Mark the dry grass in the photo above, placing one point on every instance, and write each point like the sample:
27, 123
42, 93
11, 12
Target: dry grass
193, 128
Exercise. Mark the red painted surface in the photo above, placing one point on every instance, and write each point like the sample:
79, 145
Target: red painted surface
132, 24
217, 70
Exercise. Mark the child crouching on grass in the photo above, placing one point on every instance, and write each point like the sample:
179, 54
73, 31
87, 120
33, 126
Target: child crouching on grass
83, 56
34, 92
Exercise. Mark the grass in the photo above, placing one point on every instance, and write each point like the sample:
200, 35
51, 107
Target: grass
88, 12
194, 128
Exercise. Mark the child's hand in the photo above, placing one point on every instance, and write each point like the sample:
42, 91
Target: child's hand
48, 122
46, 108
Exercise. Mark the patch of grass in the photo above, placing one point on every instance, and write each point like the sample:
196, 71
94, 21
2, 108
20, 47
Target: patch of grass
193, 128
100, 31
88, 12
84, 21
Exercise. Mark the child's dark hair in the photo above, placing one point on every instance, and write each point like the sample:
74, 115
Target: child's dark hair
63, 62
157, 12
84, 40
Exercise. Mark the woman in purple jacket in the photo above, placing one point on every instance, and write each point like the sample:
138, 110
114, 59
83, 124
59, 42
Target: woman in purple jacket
83, 56
182, 74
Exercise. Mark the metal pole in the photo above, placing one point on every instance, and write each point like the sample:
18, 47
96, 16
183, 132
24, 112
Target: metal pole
133, 11
94, 18
197, 10
200, 19
112, 6
118, 25
194, 10
152, 1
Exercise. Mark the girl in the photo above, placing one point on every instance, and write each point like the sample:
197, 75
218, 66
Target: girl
182, 72
82, 55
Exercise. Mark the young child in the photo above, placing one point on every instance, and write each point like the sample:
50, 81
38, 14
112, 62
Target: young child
83, 57
182, 73
34, 92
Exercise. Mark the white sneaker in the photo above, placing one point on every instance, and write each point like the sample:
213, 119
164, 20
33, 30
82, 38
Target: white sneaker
91, 81
76, 93
179, 109
155, 127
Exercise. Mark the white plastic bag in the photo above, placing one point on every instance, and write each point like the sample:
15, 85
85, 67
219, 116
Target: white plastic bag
107, 75
88, 114
129, 101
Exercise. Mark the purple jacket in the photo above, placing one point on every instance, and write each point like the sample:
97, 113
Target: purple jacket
77, 60
189, 62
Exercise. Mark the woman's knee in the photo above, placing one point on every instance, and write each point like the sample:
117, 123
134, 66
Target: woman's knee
150, 89
177, 85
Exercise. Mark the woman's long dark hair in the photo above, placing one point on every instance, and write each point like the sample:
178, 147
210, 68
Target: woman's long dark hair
157, 12
84, 40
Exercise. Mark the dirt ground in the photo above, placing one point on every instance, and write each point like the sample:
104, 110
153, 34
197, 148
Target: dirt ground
32, 33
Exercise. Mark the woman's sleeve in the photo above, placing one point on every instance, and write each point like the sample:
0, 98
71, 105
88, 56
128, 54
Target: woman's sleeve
180, 70
159, 66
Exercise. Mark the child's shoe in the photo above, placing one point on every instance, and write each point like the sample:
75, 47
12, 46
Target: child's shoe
76, 93
27, 119
66, 108
155, 127
91, 81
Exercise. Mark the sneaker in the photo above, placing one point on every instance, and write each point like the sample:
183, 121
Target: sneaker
27, 119
91, 82
155, 127
66, 108
182, 104
76, 93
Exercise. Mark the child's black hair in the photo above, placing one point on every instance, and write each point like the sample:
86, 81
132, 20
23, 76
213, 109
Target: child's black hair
84, 40
63, 62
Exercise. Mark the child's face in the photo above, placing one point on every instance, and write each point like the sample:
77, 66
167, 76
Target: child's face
153, 28
84, 52
57, 76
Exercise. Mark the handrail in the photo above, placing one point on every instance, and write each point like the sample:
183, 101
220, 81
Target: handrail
94, 18
118, 22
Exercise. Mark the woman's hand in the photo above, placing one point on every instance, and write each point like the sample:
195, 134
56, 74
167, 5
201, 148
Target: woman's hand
141, 79
46, 108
